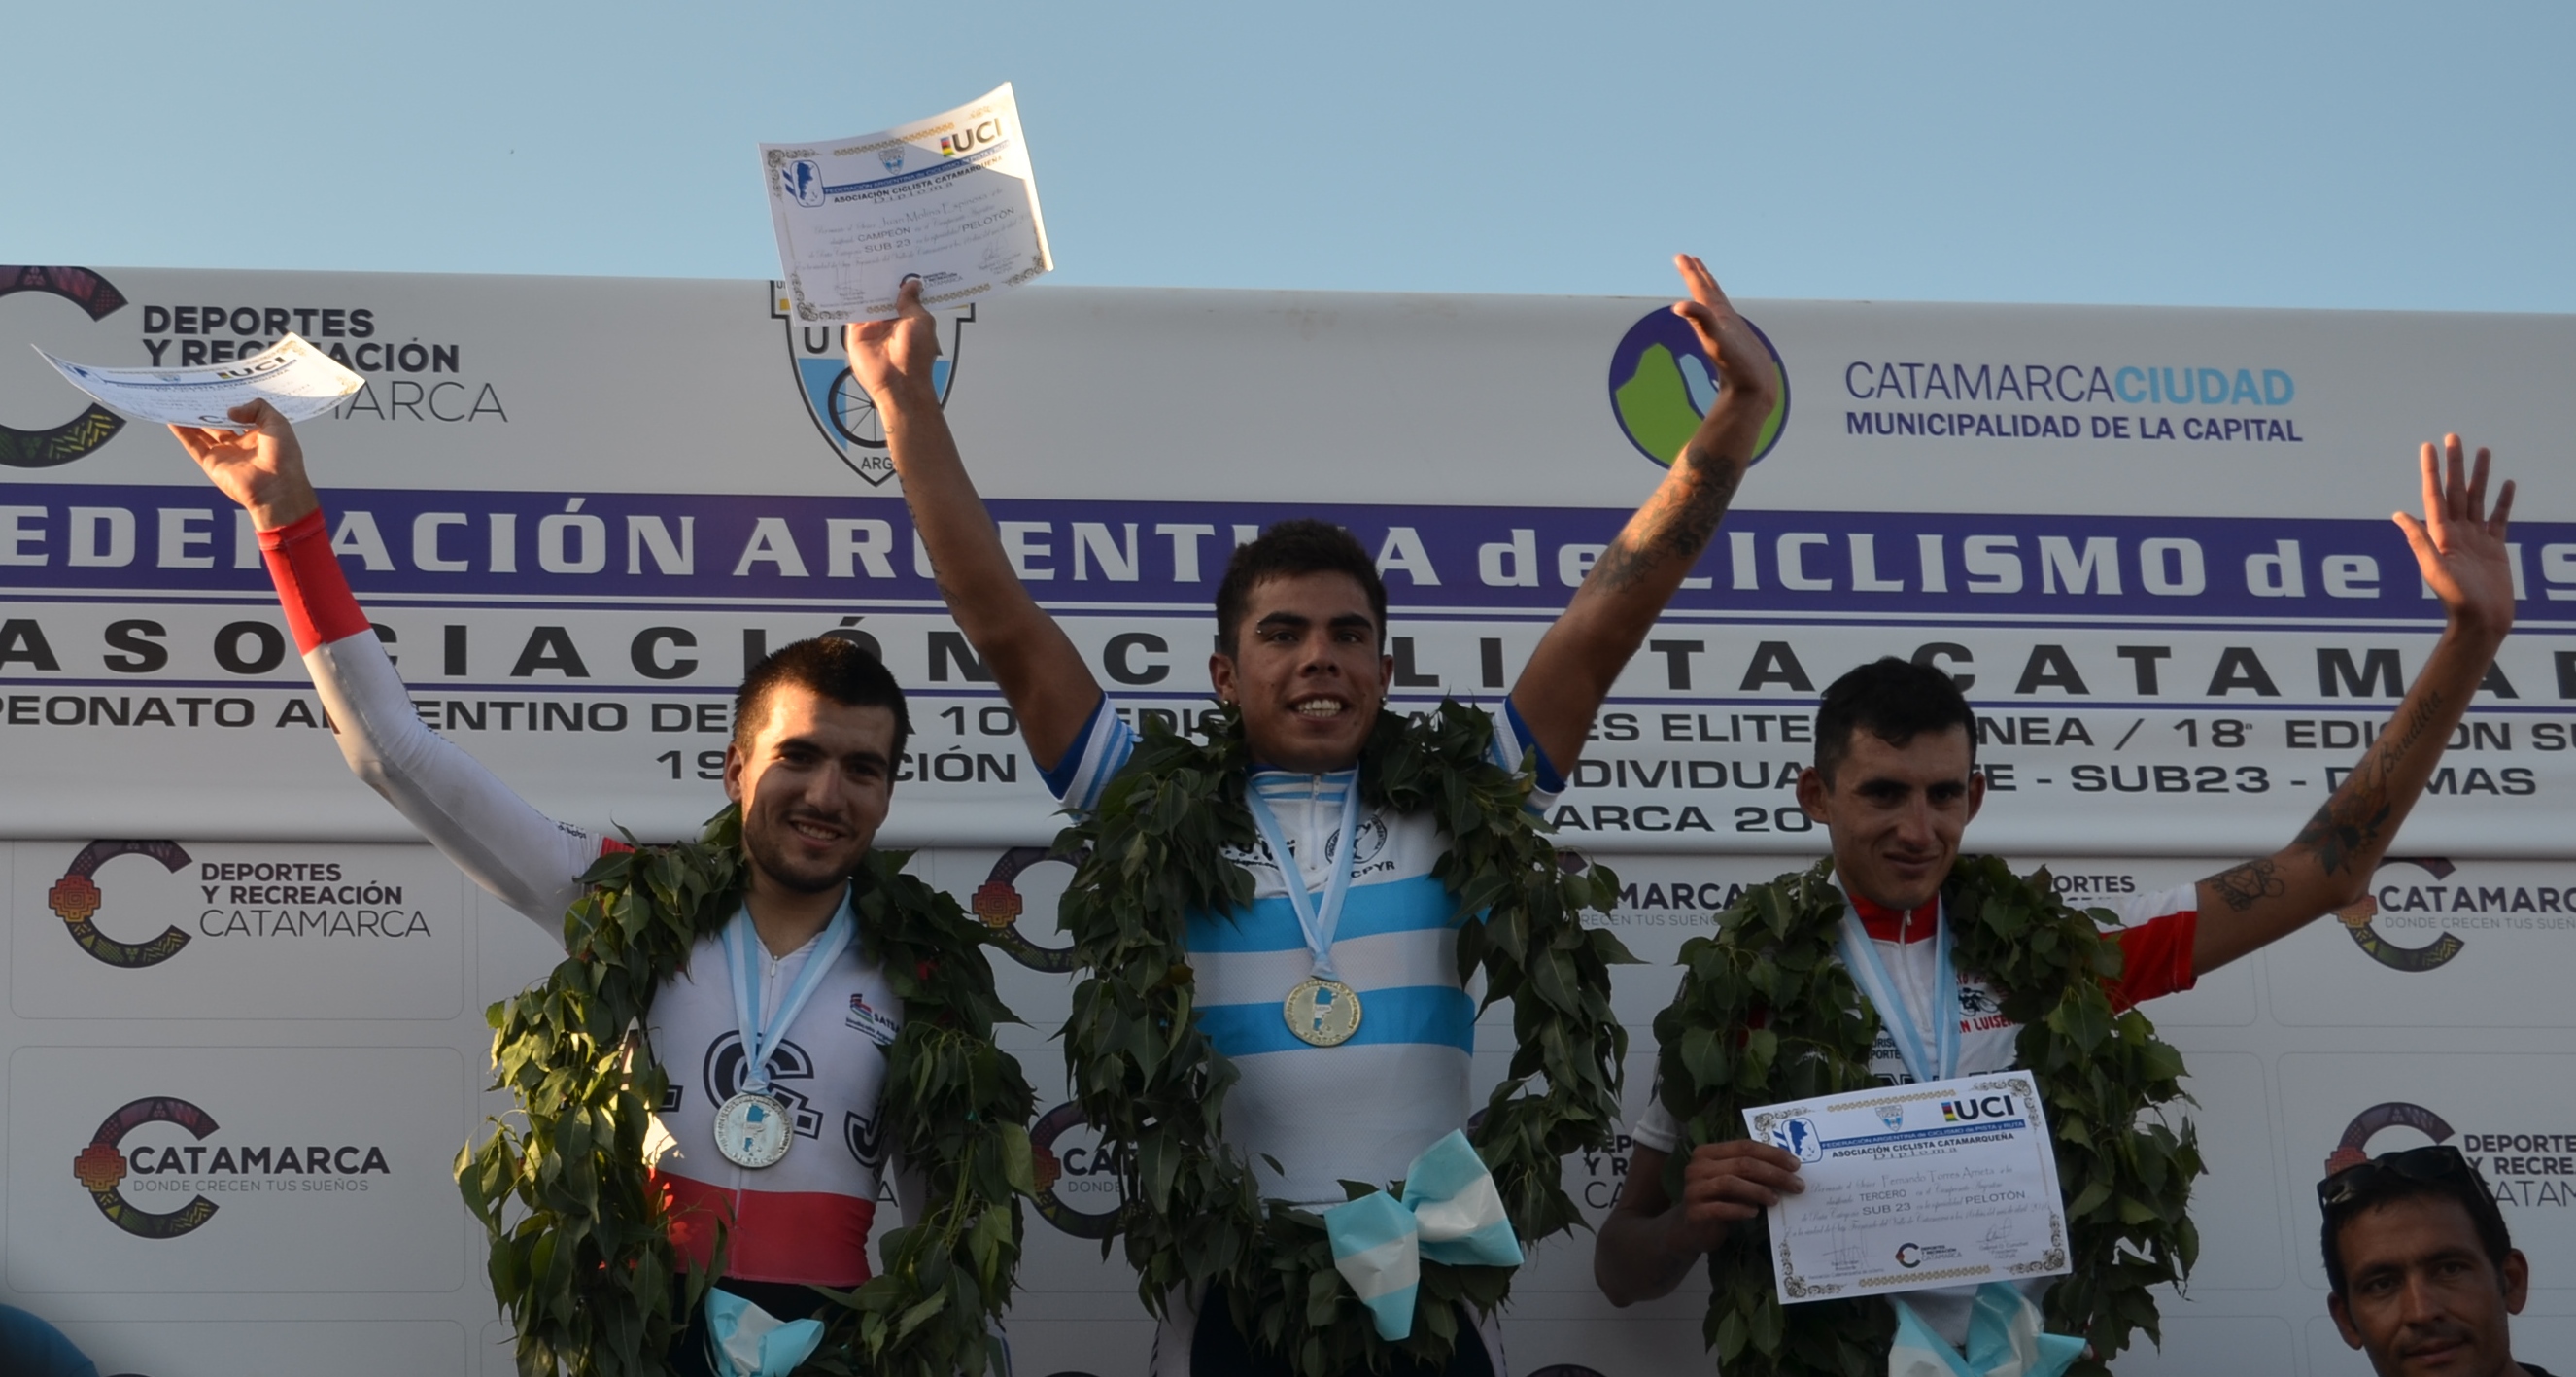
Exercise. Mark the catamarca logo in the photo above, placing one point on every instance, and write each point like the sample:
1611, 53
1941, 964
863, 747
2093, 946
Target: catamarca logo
841, 410
106, 1166
1081, 1180
1662, 383
1909, 1255
96, 425
76, 899
998, 902
2354, 1147
2356, 920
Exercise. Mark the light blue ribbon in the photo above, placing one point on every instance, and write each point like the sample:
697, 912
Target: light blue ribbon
2004, 1340
1450, 1213
750, 1342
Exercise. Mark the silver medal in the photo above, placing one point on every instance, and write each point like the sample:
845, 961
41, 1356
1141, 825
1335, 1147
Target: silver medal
754, 1131
1322, 1013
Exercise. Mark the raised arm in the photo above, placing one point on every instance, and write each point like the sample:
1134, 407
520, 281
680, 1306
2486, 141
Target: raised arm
2461, 550
1030, 656
1576, 662
525, 859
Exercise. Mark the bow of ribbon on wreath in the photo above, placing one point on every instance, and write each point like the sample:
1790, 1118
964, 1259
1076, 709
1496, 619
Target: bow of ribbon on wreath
2004, 1340
1450, 1213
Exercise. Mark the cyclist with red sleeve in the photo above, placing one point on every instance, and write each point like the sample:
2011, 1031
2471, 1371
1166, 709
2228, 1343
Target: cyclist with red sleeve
1895, 784
784, 1011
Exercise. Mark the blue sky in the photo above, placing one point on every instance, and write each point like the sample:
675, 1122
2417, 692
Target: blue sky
2346, 155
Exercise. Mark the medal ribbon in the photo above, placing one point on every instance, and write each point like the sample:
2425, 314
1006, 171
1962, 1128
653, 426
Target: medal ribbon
1860, 957
1319, 923
761, 1035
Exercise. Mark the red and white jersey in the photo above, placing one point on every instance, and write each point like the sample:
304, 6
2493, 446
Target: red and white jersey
804, 1219
2155, 943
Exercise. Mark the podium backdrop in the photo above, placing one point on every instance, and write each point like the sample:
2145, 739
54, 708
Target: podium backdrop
243, 1024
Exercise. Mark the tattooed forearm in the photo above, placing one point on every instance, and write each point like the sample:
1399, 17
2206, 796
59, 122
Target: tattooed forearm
2344, 831
2248, 884
1672, 526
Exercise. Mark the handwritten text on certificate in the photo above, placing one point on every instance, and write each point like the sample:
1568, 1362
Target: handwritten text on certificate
1942, 1183
949, 199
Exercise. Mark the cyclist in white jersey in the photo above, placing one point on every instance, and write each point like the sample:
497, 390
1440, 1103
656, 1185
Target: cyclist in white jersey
1895, 784
818, 727
1302, 630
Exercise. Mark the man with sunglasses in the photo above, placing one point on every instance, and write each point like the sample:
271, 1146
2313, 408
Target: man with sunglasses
2423, 1274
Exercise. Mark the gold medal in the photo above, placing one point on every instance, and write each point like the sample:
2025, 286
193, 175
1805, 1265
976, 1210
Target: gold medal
1322, 1013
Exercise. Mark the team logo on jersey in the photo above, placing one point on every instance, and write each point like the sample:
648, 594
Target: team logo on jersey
879, 1025
840, 409
1000, 904
76, 899
1662, 383
2357, 919
48, 446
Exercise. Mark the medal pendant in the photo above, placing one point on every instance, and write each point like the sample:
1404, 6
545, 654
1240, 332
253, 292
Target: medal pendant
1322, 1013
753, 1130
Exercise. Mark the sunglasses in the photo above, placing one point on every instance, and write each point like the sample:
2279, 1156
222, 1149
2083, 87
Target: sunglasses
2437, 1162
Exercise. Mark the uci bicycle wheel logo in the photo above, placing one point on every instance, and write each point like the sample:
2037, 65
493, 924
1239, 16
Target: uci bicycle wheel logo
1662, 383
49, 446
101, 1167
841, 410
2356, 920
76, 899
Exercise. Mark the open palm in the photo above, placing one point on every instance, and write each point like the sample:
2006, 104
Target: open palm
2459, 545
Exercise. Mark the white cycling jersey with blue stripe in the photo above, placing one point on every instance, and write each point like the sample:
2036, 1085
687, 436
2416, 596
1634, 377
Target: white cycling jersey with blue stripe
1362, 1110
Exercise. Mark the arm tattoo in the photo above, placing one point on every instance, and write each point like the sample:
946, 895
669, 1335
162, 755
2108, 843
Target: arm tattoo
2248, 884
2344, 830
1674, 528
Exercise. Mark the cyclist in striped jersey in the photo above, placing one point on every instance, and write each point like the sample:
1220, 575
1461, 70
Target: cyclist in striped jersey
1301, 625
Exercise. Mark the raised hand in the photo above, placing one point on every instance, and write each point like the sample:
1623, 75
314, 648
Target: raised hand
1750, 386
2459, 546
891, 357
261, 468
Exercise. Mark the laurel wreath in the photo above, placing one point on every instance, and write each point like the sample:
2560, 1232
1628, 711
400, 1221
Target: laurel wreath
1766, 1013
581, 1257
1145, 1075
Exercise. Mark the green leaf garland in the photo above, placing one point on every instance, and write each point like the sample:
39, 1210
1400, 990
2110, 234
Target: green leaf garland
581, 1257
2103, 1076
1146, 1076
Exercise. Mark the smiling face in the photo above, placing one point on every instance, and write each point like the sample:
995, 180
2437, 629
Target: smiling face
1307, 671
1895, 813
814, 782
2421, 1294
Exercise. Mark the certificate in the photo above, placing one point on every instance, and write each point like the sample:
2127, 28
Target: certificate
949, 199
299, 380
1942, 1183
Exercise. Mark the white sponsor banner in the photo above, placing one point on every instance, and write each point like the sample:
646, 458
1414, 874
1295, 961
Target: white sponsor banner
254, 1348
2152, 545
167, 1169
574, 556
157, 930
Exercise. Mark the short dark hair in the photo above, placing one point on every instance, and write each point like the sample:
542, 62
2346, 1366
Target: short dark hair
1299, 546
1896, 701
830, 667
2369, 1185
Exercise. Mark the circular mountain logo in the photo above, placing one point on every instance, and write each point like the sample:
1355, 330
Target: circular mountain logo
1662, 382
